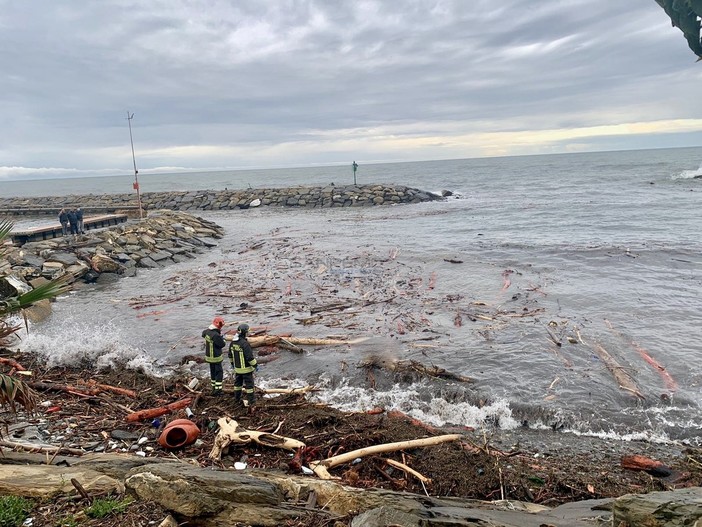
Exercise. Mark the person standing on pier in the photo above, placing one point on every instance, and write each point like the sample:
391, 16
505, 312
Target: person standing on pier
79, 215
73, 221
63, 220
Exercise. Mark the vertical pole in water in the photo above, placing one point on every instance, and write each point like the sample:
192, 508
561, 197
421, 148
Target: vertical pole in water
355, 166
136, 172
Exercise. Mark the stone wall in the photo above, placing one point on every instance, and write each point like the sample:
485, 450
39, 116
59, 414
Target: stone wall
305, 197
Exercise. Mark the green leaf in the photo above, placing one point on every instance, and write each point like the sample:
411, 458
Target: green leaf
14, 391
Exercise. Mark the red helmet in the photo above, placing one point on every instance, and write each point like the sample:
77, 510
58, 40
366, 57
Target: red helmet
218, 322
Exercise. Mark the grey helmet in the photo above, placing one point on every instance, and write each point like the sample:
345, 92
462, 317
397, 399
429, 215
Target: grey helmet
243, 329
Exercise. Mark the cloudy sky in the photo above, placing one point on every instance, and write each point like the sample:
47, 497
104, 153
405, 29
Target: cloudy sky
269, 83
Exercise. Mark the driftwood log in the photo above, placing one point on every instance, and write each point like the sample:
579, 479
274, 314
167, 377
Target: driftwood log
294, 343
151, 413
87, 389
302, 389
412, 366
109, 388
408, 470
626, 382
320, 467
12, 363
231, 432
37, 448
646, 464
670, 383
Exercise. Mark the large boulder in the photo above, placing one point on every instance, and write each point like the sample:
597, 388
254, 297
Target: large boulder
38, 311
263, 498
64, 258
12, 286
104, 264
193, 492
679, 508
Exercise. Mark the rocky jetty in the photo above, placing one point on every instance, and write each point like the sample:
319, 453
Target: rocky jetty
103, 256
304, 197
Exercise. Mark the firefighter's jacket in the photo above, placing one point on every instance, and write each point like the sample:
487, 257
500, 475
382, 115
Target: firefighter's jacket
214, 344
241, 355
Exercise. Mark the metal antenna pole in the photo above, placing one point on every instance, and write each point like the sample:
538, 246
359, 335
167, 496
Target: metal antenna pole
136, 172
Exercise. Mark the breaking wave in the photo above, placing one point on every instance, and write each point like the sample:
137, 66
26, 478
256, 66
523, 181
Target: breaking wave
414, 401
689, 174
79, 342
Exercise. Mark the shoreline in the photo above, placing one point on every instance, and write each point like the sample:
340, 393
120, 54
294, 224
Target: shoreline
545, 469
532, 466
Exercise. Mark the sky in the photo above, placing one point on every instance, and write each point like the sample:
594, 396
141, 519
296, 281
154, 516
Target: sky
220, 84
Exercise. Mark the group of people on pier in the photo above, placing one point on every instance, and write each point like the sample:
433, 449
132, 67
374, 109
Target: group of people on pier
71, 221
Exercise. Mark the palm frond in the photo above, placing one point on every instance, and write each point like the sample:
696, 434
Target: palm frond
44, 292
14, 391
5, 228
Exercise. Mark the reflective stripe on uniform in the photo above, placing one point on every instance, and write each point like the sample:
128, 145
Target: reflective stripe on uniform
242, 360
210, 356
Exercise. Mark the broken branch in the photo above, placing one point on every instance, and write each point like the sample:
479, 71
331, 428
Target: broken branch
157, 412
320, 467
408, 470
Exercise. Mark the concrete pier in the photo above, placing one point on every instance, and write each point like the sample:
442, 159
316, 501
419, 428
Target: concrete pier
20, 237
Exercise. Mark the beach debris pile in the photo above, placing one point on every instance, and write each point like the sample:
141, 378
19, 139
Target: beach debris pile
126, 412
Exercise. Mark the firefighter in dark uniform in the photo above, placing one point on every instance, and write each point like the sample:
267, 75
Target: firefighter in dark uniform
244, 364
214, 345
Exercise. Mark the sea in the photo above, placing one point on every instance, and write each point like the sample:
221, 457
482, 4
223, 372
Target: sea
544, 279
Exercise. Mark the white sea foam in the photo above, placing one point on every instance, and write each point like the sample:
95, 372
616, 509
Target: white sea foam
72, 343
434, 411
688, 174
649, 436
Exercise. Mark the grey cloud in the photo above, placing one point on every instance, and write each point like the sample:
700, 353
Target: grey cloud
270, 72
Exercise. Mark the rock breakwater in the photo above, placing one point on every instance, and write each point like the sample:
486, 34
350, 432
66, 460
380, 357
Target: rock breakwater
304, 197
105, 255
